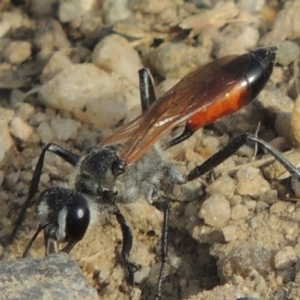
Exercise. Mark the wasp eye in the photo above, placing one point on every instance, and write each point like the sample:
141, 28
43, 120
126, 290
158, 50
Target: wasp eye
119, 167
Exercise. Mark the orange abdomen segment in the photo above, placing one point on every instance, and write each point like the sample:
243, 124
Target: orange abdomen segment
235, 99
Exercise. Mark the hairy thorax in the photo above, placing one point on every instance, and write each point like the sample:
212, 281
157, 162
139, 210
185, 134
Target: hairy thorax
150, 176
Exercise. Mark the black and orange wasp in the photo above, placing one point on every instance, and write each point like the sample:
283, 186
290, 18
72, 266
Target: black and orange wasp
129, 163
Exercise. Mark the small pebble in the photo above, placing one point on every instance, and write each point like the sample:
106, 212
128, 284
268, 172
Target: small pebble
71, 10
215, 210
239, 211
166, 59
41, 8
115, 54
115, 10
58, 61
64, 129
11, 179
46, 132
250, 204
275, 101
91, 94
224, 185
250, 182
254, 223
25, 111
14, 18
20, 129
45, 178
243, 260
289, 16
261, 206
285, 258
141, 274
230, 233
17, 52
269, 196
4, 28
49, 37
288, 51
234, 200
278, 207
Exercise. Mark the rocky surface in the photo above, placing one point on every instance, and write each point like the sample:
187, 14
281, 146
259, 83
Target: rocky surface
55, 277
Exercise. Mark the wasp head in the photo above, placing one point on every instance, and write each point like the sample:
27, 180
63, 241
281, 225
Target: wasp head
98, 170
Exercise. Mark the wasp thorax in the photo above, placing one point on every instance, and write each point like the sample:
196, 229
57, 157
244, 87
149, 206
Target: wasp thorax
96, 171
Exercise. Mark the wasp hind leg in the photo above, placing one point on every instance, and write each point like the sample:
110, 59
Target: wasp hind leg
232, 147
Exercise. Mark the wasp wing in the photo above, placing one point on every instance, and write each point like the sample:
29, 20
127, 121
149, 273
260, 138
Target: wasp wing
194, 94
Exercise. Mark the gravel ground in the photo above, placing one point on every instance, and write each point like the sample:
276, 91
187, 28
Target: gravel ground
68, 75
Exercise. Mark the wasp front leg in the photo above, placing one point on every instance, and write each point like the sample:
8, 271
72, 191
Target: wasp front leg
68, 156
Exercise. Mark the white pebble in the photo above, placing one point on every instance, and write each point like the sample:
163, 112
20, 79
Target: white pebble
46, 133
71, 10
254, 222
239, 211
168, 62
230, 233
285, 258
91, 94
25, 111
251, 182
64, 129
20, 129
11, 179
17, 52
115, 54
250, 204
224, 184
141, 274
56, 63
45, 178
215, 210
14, 18
115, 10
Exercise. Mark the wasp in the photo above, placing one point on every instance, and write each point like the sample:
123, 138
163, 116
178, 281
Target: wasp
130, 164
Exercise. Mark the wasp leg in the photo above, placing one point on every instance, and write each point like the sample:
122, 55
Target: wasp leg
165, 207
68, 156
126, 247
40, 228
182, 137
67, 249
147, 90
50, 247
232, 147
